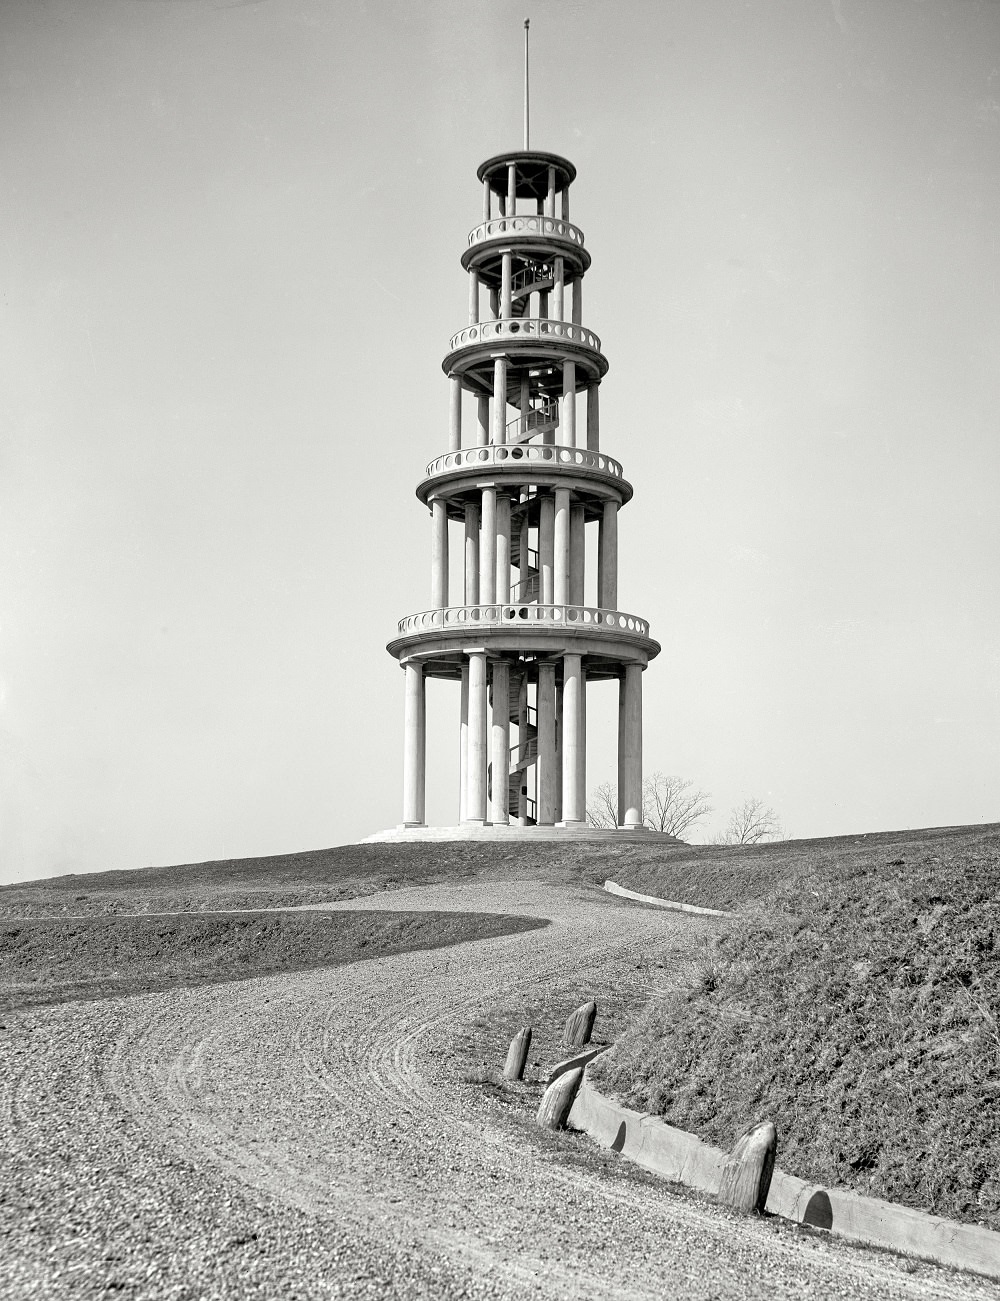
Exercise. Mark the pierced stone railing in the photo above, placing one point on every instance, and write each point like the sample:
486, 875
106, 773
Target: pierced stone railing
531, 326
526, 224
519, 453
572, 617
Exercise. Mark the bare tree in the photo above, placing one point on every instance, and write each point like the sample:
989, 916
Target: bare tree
602, 810
750, 823
672, 804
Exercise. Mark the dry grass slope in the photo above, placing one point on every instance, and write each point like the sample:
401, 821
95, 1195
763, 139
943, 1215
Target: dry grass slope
856, 1005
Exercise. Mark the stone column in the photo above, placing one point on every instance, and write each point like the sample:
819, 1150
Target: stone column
577, 554
494, 304
569, 404
503, 549
559, 752
630, 747
482, 420
463, 746
578, 300
548, 775
525, 404
471, 594
574, 811
439, 554
522, 746
560, 569
501, 742
511, 189
550, 194
414, 745
607, 557
593, 419
455, 415
558, 289
546, 549
565, 204
581, 754
524, 549
487, 198
473, 297
475, 800
488, 548
506, 310
500, 399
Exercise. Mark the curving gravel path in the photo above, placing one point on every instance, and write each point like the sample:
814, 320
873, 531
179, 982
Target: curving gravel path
310, 1136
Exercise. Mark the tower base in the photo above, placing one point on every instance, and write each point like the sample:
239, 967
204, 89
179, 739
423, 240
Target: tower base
486, 831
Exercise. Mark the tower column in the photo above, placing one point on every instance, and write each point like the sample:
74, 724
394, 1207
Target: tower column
560, 575
482, 420
455, 415
503, 549
578, 300
473, 297
630, 747
548, 775
607, 557
569, 403
505, 286
439, 554
593, 418
500, 786
500, 400
558, 288
414, 745
573, 740
577, 554
488, 548
463, 745
471, 593
550, 194
487, 198
511, 189
475, 802
546, 549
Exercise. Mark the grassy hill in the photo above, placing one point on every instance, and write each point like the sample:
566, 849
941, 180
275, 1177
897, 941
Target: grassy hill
855, 1001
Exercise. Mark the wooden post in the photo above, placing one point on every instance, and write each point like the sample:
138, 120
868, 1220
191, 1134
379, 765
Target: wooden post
746, 1176
579, 1026
517, 1055
558, 1099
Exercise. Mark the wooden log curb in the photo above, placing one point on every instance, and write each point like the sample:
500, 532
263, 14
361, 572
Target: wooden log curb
580, 1025
746, 1175
612, 887
517, 1055
685, 1159
558, 1098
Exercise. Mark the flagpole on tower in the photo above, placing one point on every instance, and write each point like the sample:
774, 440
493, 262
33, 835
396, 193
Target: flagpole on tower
526, 22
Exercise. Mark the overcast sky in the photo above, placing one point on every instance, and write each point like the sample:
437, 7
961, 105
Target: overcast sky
230, 268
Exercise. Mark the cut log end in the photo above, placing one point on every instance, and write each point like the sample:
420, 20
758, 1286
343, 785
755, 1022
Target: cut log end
580, 1025
746, 1175
558, 1098
517, 1055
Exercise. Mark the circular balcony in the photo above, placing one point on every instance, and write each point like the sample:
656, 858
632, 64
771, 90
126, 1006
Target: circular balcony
546, 463
610, 636
573, 616
526, 225
526, 327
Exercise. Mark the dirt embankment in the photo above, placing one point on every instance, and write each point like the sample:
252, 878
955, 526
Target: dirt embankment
856, 1005
52, 960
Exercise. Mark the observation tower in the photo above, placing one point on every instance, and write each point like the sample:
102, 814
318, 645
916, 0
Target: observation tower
523, 484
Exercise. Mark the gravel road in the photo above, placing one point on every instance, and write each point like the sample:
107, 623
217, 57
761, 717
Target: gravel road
311, 1136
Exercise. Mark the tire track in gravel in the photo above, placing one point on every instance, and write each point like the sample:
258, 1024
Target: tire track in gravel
335, 1091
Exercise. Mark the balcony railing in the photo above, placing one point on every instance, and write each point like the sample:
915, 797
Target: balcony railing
526, 225
519, 453
572, 617
531, 326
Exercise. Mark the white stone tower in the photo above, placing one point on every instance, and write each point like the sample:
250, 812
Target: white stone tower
523, 484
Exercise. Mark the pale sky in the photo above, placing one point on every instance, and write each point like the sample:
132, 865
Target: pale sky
230, 243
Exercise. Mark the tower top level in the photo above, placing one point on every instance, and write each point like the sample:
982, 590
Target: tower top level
531, 170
